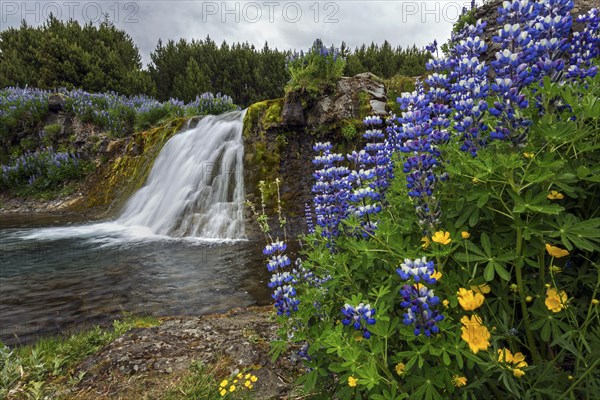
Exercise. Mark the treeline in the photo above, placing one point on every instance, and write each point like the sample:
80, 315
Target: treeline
103, 58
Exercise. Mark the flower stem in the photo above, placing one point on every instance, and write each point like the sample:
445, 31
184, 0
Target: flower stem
519, 271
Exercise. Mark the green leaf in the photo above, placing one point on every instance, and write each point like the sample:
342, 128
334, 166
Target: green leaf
488, 273
502, 272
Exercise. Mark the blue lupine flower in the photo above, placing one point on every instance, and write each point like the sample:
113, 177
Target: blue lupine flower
360, 317
419, 270
420, 304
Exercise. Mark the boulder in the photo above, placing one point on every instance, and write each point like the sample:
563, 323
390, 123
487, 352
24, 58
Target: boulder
56, 102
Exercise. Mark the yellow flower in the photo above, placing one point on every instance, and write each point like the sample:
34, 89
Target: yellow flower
446, 303
555, 300
426, 242
352, 381
222, 392
253, 378
483, 289
570, 377
554, 195
400, 368
595, 302
441, 237
529, 299
517, 360
556, 252
469, 300
528, 155
437, 275
224, 383
475, 180
465, 234
232, 388
476, 335
459, 381
240, 375
247, 376
518, 372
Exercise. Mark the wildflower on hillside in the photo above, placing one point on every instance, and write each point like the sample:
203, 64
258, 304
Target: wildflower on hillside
483, 289
400, 369
517, 360
419, 303
359, 317
469, 300
459, 381
419, 269
441, 237
555, 300
556, 252
352, 381
554, 195
465, 234
475, 334
426, 242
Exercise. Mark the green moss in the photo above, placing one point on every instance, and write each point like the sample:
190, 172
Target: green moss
397, 85
126, 174
262, 116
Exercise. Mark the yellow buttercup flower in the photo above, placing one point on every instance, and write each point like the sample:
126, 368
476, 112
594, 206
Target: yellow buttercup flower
556, 252
518, 372
595, 302
426, 242
232, 388
554, 195
253, 378
224, 383
528, 155
555, 300
465, 234
446, 303
400, 367
437, 275
517, 360
529, 299
352, 381
469, 300
459, 381
222, 392
483, 289
441, 237
476, 335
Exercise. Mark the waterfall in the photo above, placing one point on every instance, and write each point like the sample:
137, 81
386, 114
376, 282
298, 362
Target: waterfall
196, 185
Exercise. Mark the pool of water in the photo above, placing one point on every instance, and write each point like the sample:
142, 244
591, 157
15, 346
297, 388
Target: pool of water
54, 279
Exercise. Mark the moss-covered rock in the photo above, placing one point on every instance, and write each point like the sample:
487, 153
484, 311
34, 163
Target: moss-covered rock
117, 179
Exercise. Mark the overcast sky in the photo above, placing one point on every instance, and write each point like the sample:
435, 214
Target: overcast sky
283, 24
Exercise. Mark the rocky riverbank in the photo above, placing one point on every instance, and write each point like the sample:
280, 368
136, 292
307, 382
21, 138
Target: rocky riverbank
147, 363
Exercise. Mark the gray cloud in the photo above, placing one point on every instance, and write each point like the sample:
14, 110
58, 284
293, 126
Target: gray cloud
283, 24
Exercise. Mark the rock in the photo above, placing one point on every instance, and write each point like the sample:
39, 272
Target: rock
56, 102
349, 100
292, 113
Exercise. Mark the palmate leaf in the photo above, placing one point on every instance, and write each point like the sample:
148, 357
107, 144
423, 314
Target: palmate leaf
575, 233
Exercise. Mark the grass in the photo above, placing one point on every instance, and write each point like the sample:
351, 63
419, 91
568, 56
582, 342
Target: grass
32, 372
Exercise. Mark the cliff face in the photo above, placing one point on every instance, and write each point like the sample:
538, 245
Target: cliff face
279, 135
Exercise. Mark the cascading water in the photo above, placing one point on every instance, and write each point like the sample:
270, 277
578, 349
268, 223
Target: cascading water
196, 186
